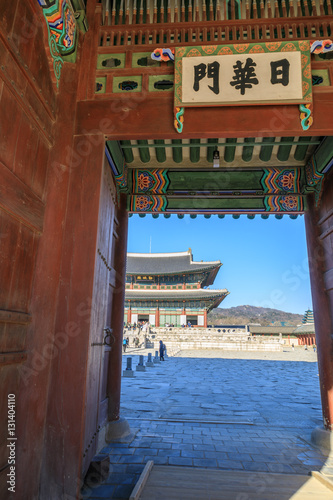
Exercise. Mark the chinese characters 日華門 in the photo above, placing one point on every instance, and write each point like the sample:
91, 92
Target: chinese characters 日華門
242, 78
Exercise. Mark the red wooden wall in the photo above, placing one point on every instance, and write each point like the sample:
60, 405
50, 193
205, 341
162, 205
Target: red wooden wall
319, 231
25, 125
54, 191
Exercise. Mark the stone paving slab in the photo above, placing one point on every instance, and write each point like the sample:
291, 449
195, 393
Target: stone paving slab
219, 410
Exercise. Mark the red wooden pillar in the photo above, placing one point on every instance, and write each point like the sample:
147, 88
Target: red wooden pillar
117, 322
157, 316
129, 313
319, 260
205, 318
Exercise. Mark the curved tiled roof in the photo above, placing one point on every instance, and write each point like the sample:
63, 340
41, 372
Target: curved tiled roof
197, 293
307, 328
167, 263
215, 297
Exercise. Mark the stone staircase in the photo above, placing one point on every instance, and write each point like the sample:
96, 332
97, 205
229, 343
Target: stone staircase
177, 339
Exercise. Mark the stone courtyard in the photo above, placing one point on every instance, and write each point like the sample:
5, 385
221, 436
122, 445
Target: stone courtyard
251, 411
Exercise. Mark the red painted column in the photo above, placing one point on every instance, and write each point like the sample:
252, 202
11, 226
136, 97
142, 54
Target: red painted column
157, 317
321, 310
129, 314
205, 318
117, 321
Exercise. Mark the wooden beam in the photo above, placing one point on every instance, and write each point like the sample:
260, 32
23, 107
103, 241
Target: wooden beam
14, 317
11, 358
139, 117
17, 199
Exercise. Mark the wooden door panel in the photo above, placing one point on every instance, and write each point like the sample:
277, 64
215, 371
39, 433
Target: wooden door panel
96, 395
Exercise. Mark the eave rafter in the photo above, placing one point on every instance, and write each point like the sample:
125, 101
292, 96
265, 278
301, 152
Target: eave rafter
252, 190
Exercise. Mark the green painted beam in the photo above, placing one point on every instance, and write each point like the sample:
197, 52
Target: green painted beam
301, 149
247, 152
229, 152
183, 204
160, 152
217, 180
284, 150
266, 151
230, 143
177, 151
144, 151
324, 153
127, 150
117, 155
194, 151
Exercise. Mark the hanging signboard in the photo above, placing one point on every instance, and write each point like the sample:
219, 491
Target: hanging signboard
242, 74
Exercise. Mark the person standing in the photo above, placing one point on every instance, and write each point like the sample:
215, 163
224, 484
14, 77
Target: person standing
161, 351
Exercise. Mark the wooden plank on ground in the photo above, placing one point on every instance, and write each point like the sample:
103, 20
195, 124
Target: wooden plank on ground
173, 483
142, 481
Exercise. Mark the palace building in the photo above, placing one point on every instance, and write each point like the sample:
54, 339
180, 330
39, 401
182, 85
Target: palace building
170, 288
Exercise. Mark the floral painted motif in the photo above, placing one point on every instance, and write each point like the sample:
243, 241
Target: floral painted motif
156, 181
242, 47
307, 71
145, 181
273, 46
209, 49
146, 203
225, 51
286, 181
194, 53
62, 31
274, 180
257, 49
289, 202
142, 203
289, 47
304, 45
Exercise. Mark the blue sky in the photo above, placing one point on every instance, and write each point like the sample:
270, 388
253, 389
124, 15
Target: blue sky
264, 261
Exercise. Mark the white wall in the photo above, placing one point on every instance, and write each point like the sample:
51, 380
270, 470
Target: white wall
152, 319
201, 320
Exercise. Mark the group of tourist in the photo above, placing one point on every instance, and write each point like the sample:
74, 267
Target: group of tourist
162, 347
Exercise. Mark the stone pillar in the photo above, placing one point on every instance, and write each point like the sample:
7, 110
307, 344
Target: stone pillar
318, 254
115, 358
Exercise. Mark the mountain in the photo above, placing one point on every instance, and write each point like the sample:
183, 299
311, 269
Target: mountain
242, 315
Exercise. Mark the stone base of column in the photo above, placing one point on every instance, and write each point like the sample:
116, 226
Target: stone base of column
323, 439
140, 368
128, 373
114, 431
150, 363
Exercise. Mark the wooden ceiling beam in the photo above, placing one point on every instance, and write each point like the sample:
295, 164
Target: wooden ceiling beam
145, 117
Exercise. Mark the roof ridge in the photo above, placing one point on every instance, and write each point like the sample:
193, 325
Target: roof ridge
177, 290
162, 254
